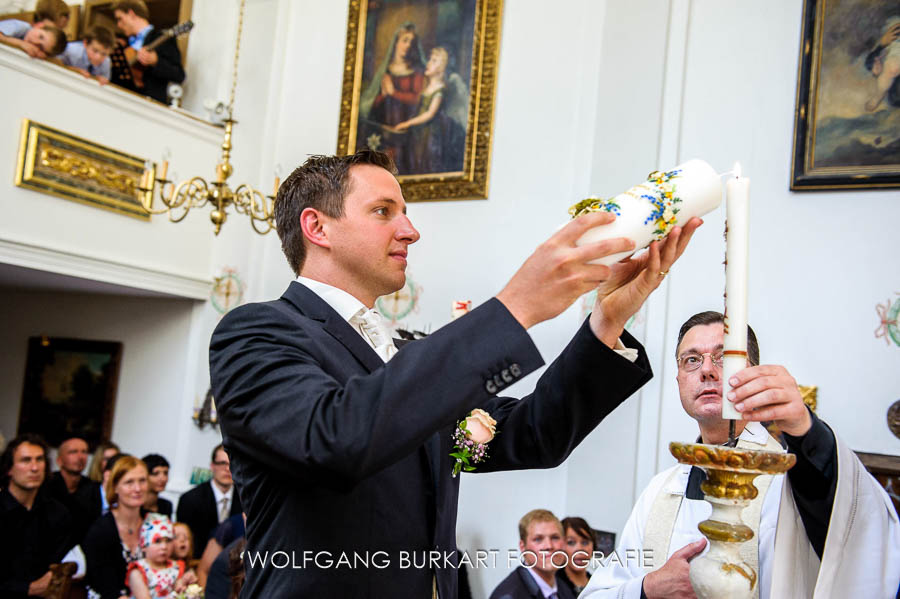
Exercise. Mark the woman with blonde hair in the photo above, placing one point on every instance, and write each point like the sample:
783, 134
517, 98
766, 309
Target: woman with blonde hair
113, 540
104, 451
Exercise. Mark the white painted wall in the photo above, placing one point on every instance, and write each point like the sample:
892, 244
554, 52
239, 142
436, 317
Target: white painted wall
149, 397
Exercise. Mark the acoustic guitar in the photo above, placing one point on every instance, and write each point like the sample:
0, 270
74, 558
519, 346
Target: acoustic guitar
137, 69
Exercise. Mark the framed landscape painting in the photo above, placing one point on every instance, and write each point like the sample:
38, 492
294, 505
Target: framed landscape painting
847, 119
70, 389
419, 83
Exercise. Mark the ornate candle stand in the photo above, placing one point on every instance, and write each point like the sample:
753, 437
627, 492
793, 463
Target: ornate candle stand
721, 573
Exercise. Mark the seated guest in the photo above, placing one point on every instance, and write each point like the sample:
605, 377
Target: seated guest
90, 57
226, 575
78, 493
52, 12
183, 547
579, 546
209, 504
540, 536
157, 575
37, 41
225, 533
107, 470
113, 540
160, 66
35, 527
104, 451
159, 478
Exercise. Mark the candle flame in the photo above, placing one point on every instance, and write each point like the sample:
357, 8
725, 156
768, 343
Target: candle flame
737, 170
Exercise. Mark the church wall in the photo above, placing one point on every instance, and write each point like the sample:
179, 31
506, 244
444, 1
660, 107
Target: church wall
150, 401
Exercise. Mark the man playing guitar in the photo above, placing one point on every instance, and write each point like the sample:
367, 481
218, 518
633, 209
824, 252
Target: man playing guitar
157, 67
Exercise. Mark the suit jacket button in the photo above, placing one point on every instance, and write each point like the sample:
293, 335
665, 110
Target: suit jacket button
490, 387
506, 375
515, 370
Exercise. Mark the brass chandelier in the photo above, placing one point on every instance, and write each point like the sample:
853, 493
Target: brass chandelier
196, 192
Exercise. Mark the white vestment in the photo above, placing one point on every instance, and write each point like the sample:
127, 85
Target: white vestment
862, 550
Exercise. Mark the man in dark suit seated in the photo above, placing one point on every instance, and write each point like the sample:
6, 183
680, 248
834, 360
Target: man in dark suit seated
207, 505
541, 539
161, 65
78, 493
341, 445
35, 528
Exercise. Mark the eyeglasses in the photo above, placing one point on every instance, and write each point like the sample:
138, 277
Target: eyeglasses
692, 361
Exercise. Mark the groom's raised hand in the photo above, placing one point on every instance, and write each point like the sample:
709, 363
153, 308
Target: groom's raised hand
631, 282
558, 272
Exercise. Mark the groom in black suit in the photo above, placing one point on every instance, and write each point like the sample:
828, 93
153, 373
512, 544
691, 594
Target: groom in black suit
340, 448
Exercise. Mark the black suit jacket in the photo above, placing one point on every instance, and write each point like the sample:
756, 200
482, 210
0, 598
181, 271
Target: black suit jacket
84, 504
197, 508
521, 585
335, 452
168, 68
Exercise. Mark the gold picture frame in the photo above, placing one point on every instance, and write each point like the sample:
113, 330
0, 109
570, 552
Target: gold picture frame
448, 156
846, 118
57, 163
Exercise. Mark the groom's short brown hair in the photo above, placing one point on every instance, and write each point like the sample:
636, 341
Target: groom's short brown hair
322, 182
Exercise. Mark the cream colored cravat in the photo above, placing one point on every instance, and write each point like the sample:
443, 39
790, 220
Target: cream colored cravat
372, 326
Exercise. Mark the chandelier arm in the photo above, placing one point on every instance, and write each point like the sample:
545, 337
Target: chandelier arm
253, 202
184, 197
254, 220
146, 197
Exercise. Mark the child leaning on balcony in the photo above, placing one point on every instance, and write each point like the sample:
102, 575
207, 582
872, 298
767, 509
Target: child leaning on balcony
90, 57
40, 40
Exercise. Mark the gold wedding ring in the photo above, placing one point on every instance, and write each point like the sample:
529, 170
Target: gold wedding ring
663, 273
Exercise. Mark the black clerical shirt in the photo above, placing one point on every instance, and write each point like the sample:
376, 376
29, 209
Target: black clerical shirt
31, 541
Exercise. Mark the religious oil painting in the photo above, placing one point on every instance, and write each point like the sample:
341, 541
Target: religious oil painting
419, 83
70, 389
847, 120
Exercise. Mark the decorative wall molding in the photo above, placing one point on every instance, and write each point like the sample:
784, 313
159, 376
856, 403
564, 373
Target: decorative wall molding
24, 254
110, 95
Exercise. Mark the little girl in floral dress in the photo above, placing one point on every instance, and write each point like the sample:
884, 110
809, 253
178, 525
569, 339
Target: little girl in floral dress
157, 575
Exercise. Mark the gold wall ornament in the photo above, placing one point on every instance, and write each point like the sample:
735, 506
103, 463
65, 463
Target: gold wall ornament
809, 393
196, 192
370, 27
66, 166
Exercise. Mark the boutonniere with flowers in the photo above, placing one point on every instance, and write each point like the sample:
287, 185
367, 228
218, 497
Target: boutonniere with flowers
471, 439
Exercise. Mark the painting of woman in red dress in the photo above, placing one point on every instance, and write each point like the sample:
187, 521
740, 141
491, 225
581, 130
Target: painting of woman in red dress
392, 96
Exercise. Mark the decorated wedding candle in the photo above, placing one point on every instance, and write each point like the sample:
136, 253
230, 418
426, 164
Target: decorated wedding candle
650, 210
737, 249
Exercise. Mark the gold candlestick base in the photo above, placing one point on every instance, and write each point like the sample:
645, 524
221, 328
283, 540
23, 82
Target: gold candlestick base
721, 573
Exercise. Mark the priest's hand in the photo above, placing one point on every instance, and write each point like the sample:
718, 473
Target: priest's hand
770, 393
672, 581
558, 272
632, 281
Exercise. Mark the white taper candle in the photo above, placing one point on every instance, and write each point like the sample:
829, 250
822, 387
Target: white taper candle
737, 237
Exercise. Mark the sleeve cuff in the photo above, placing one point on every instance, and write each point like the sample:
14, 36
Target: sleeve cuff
629, 353
817, 445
